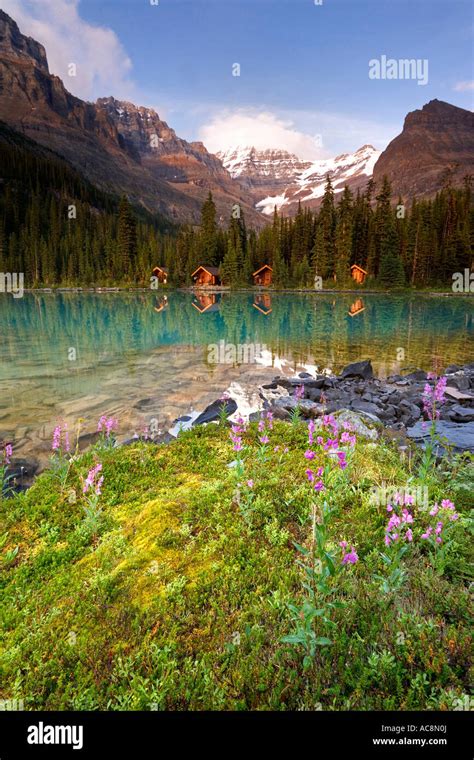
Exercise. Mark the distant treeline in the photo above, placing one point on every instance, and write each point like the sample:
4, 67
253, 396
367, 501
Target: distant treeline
57, 228
419, 245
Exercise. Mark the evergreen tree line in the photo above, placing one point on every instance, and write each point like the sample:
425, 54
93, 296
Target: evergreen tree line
57, 228
419, 245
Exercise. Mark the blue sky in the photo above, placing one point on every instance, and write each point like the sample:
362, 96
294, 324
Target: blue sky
304, 67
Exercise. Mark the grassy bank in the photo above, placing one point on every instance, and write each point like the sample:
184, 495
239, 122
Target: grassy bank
182, 584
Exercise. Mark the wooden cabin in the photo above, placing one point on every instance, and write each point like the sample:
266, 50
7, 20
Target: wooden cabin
356, 307
205, 302
358, 274
206, 276
263, 276
263, 303
162, 274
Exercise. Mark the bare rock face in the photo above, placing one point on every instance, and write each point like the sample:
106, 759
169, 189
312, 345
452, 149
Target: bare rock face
435, 140
112, 143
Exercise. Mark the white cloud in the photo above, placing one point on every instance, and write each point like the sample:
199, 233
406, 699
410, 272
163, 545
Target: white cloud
261, 130
309, 134
464, 86
102, 65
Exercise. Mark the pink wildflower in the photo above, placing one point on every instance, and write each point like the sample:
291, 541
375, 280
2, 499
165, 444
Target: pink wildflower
350, 558
90, 480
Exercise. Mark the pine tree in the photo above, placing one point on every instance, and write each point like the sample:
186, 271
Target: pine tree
126, 238
324, 246
208, 237
343, 238
390, 272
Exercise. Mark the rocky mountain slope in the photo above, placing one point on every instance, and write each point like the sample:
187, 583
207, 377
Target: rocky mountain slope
435, 140
281, 179
117, 146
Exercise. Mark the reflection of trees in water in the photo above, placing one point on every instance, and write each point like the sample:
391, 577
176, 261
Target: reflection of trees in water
106, 326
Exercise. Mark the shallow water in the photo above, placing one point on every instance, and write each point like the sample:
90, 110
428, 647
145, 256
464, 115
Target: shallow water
145, 357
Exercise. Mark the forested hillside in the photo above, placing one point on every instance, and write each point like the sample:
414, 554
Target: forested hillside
58, 228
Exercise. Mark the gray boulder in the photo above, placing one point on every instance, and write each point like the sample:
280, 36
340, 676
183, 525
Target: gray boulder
460, 435
361, 369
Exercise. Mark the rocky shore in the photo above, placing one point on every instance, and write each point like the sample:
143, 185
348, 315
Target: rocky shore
395, 404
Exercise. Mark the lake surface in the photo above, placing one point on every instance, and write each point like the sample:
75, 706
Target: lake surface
142, 356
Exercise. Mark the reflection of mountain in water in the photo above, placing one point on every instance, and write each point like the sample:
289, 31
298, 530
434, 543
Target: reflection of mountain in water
40, 328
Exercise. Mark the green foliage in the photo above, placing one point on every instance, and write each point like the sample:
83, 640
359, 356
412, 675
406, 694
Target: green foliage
180, 595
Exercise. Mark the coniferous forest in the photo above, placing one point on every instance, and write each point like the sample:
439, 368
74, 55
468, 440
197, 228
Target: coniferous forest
59, 229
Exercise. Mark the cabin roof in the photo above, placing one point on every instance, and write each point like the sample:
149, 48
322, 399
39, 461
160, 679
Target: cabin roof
162, 269
356, 266
210, 270
265, 266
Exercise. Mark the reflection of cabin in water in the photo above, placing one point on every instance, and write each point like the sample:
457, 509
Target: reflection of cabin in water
206, 276
263, 303
205, 302
356, 307
263, 276
161, 273
358, 274
161, 303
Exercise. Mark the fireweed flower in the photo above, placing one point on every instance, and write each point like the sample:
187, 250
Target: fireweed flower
447, 504
310, 475
433, 396
56, 438
58, 432
319, 485
90, 483
341, 455
8, 453
396, 524
309, 454
266, 422
299, 393
237, 430
350, 558
348, 438
329, 421
427, 533
106, 425
250, 483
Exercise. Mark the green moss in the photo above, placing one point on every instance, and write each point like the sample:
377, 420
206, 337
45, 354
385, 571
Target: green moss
181, 599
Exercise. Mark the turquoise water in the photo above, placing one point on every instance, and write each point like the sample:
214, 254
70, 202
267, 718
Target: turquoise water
139, 355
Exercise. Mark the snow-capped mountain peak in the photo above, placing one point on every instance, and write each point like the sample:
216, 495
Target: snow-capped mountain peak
279, 178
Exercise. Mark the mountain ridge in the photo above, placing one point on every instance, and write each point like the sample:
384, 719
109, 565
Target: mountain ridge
96, 142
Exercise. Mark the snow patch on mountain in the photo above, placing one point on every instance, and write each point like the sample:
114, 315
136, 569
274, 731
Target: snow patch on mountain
347, 169
284, 179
